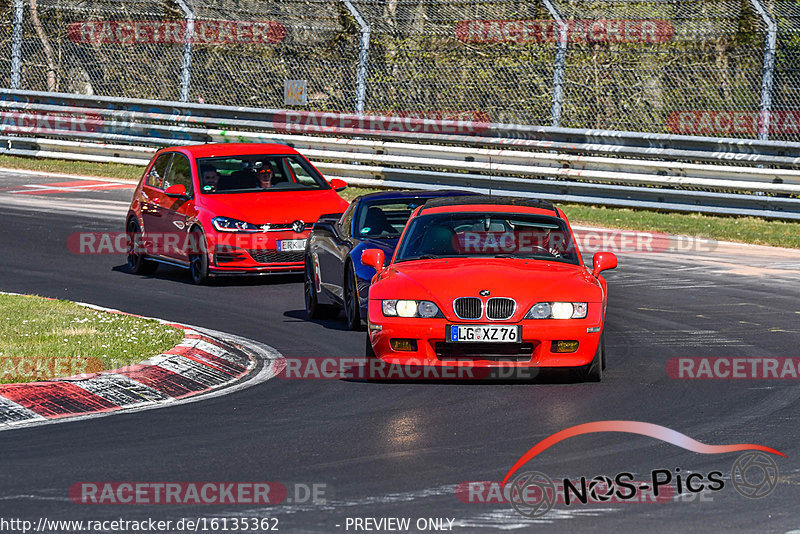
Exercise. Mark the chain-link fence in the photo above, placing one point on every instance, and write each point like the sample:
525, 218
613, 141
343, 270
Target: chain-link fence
674, 64
786, 99
706, 67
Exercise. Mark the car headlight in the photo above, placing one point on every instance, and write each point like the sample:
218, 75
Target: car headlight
558, 310
410, 308
226, 224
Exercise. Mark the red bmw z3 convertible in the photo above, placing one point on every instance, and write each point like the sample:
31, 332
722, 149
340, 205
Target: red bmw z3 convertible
490, 282
222, 209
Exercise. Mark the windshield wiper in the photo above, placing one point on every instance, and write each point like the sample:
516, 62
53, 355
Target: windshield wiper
421, 257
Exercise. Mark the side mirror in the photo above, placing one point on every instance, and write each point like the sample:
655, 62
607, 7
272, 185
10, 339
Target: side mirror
176, 191
338, 184
373, 257
603, 261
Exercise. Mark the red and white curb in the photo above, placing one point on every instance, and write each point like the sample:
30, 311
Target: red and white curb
206, 363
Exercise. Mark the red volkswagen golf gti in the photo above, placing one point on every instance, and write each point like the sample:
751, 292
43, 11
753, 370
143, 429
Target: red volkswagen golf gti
221, 209
489, 282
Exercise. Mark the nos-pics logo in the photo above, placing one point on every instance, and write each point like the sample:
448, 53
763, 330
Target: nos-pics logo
532, 494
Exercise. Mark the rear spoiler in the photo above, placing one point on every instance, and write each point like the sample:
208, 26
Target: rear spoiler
327, 219
330, 217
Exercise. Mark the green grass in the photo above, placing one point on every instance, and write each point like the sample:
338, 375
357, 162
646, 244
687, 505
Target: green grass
42, 339
740, 229
352, 192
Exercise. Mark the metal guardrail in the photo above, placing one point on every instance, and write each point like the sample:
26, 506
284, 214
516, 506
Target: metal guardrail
653, 171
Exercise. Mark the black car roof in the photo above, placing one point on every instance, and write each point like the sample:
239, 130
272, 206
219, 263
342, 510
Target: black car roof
418, 193
490, 201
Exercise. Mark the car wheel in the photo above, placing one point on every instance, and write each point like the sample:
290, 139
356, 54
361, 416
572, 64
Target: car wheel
352, 305
137, 261
315, 310
603, 343
595, 371
369, 352
198, 258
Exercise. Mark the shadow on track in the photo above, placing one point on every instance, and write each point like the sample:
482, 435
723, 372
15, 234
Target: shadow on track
331, 324
178, 274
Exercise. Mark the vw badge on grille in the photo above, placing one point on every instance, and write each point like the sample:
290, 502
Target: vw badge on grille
298, 226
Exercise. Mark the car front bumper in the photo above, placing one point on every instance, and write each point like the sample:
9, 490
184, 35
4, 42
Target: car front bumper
534, 349
254, 254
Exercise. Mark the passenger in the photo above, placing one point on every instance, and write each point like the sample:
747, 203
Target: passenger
265, 178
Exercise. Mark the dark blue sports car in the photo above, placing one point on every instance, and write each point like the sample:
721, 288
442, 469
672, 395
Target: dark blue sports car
335, 278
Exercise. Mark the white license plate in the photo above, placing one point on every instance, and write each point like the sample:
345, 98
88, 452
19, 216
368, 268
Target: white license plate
484, 334
289, 245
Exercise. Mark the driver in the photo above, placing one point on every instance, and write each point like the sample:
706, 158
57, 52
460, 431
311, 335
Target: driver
438, 240
210, 180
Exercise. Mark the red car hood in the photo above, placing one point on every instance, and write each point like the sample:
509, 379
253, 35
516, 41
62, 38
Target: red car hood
526, 281
275, 206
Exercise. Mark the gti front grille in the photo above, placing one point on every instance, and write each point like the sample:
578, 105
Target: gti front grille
468, 307
275, 256
499, 308
280, 227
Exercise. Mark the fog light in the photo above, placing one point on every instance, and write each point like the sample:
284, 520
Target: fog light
405, 345
563, 346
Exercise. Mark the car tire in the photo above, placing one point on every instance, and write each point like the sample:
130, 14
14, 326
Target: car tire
369, 352
594, 373
603, 343
138, 263
198, 258
352, 304
315, 310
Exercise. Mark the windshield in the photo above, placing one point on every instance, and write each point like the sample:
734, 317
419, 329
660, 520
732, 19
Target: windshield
385, 219
257, 173
503, 235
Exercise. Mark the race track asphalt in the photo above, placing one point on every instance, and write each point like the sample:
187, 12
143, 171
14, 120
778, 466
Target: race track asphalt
400, 449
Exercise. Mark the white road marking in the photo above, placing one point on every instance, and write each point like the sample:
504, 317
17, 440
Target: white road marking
14, 411
106, 209
121, 390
